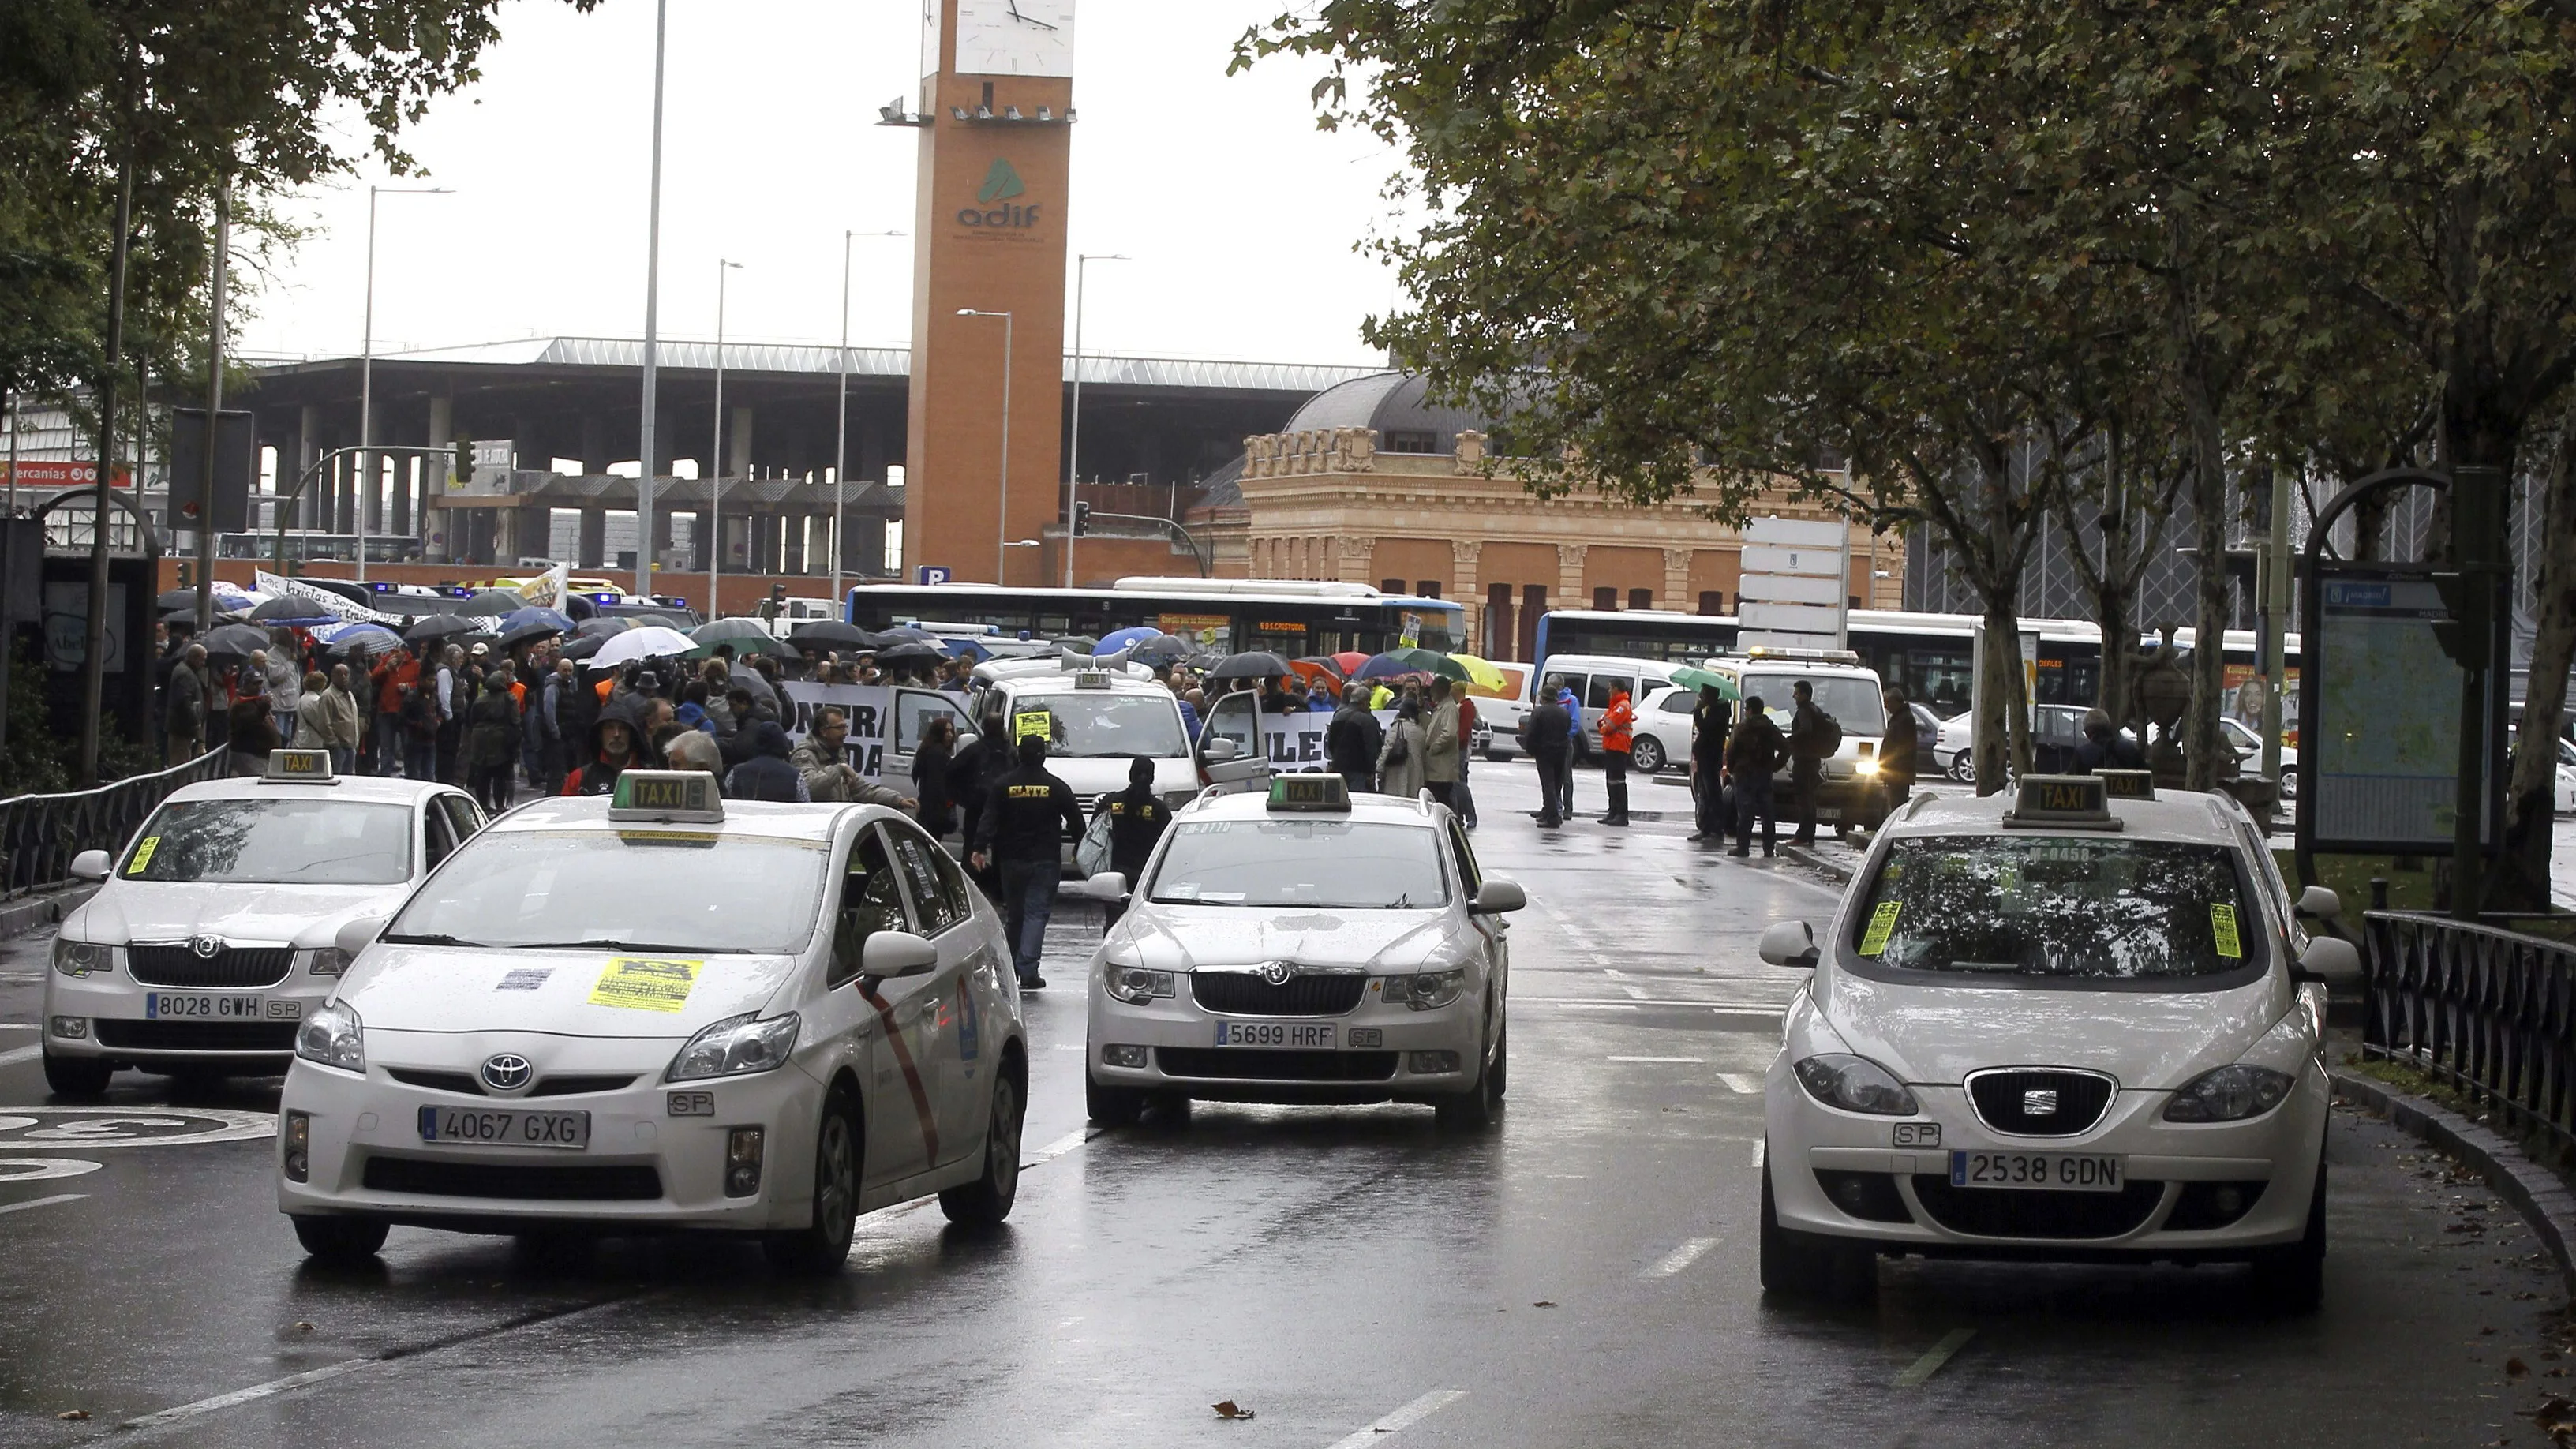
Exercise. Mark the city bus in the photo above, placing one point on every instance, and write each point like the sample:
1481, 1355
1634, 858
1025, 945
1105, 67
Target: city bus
1291, 617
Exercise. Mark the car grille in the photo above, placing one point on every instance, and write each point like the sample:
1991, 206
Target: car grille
1253, 1064
1985, 1212
2005, 1101
459, 1082
524, 1181
1245, 993
570, 1086
465, 1083
232, 966
277, 1037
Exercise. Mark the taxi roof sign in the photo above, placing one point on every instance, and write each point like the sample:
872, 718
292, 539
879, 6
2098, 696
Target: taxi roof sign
2079, 801
667, 795
1319, 793
1091, 679
2128, 784
299, 767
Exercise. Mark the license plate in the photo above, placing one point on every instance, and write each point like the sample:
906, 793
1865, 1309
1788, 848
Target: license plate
1287, 1035
203, 1006
490, 1127
2038, 1171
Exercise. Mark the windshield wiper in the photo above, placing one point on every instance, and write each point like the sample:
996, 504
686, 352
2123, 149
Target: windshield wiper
611, 945
431, 939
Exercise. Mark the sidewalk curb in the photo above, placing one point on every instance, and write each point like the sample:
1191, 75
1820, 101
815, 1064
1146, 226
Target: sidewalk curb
2535, 1192
1836, 871
36, 912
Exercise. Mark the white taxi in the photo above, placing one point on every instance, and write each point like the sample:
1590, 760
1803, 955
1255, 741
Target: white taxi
1304, 945
212, 935
2063, 1023
664, 1010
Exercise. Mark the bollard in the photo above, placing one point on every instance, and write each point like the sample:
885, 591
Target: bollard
2379, 893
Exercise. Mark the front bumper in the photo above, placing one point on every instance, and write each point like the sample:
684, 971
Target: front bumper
1838, 1174
1367, 1054
643, 1167
108, 1014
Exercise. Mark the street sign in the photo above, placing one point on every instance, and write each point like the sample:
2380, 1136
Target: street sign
1795, 572
930, 573
2380, 717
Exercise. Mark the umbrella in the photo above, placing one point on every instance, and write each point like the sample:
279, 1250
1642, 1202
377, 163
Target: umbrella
913, 653
491, 604
227, 600
1702, 679
1078, 643
1254, 664
292, 611
831, 634
1163, 649
550, 620
1394, 665
585, 645
359, 638
234, 641
728, 630
900, 634
649, 642
439, 626
1318, 670
1117, 639
603, 626
1481, 673
1348, 661
755, 642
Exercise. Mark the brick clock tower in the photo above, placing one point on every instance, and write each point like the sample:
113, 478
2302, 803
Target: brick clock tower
996, 144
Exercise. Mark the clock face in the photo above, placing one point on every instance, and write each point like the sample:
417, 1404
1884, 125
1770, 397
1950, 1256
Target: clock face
1015, 37
929, 37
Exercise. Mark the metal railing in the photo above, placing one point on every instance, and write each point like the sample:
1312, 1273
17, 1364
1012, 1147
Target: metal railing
39, 834
2485, 1009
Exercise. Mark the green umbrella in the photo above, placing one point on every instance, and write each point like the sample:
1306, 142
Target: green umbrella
1704, 679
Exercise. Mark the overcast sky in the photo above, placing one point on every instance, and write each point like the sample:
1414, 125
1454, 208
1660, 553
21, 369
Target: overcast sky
1239, 214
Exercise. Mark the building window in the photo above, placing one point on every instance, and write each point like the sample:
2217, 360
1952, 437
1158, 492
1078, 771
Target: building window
1390, 586
1712, 602
1641, 598
1497, 636
1399, 441
1430, 589
1605, 600
1533, 604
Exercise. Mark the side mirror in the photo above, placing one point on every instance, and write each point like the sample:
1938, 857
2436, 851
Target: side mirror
1788, 943
1496, 897
91, 865
1109, 885
889, 954
2320, 902
1221, 749
2329, 960
358, 933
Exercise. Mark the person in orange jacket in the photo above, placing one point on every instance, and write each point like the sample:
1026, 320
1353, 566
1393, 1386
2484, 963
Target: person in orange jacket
1618, 735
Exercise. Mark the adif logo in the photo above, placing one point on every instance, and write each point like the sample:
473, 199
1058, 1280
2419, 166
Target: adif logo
1000, 185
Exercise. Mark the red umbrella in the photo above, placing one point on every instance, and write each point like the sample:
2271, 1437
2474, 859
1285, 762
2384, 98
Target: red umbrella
1349, 661
1319, 669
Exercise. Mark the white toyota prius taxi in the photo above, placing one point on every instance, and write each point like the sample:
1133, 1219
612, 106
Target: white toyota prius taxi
213, 936
1306, 945
664, 1010
2075, 1022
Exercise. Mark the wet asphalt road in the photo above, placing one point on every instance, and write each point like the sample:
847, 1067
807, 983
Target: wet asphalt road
1583, 1274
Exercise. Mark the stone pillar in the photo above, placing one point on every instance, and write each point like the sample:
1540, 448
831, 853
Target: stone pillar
738, 445
1570, 593
1464, 587
1355, 555
594, 444
308, 446
594, 539
1676, 593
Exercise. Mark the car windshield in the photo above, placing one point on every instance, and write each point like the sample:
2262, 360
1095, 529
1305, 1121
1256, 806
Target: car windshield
1854, 703
1325, 863
278, 842
1096, 726
2091, 908
661, 891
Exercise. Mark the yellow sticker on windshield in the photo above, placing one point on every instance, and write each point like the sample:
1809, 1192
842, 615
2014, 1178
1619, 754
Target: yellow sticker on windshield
1881, 922
1036, 724
2222, 927
643, 983
143, 855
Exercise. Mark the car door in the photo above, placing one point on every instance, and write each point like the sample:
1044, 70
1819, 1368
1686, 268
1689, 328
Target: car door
1493, 932
900, 1123
953, 1051
438, 837
914, 709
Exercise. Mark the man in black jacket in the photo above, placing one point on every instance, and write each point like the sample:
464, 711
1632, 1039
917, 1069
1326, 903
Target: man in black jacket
617, 745
1352, 740
1807, 751
1022, 828
1752, 754
1547, 733
1137, 819
1710, 722
767, 774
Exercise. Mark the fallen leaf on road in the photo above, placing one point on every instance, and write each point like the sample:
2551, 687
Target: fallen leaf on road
1232, 1410
303, 1327
1542, 1303
2515, 1368
73, 1414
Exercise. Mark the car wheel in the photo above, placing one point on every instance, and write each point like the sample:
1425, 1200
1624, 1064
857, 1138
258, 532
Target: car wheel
1477, 1107
1111, 1106
340, 1239
78, 1076
2292, 1278
822, 1246
987, 1200
1810, 1265
1646, 754
1963, 767
2290, 783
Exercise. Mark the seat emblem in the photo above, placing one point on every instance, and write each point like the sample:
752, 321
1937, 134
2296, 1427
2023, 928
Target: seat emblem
2039, 1102
507, 1072
1277, 973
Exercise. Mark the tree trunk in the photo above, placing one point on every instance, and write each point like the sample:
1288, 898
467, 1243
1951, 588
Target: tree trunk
2522, 881
2202, 745
2003, 715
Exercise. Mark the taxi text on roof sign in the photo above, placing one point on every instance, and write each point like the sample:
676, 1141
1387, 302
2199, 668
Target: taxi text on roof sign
2128, 784
666, 795
2080, 801
1310, 792
299, 767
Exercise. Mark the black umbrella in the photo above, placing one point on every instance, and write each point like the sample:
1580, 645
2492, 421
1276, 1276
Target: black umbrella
602, 626
1252, 664
831, 634
491, 604
439, 626
582, 646
234, 641
910, 653
1167, 649
291, 611
525, 632
901, 634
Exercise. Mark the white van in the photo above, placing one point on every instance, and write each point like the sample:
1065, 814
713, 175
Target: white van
1592, 677
1850, 797
1098, 722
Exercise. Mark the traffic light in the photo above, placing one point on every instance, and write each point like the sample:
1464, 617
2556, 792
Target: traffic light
1081, 519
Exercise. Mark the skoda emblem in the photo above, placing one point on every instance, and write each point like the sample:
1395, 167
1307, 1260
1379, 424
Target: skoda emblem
1277, 973
2039, 1102
205, 947
507, 1072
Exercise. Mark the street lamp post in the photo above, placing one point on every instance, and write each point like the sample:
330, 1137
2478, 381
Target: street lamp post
841, 427
652, 332
715, 454
1002, 521
1073, 453
368, 482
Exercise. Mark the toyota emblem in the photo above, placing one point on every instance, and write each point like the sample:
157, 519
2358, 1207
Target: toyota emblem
1277, 973
205, 947
507, 1072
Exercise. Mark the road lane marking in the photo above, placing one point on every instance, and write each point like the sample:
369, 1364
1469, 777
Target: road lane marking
44, 1169
37, 1202
1619, 979
1757, 1151
1069, 1142
21, 1054
17, 1026
1681, 1257
1723, 1008
1412, 1413
1068, 1046
1742, 1083
237, 1397
1680, 1061
1930, 1363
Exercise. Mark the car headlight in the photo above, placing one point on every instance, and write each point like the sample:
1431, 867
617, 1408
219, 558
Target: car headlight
2229, 1094
1865, 767
1425, 990
1855, 1084
1136, 985
80, 958
328, 961
334, 1037
735, 1046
